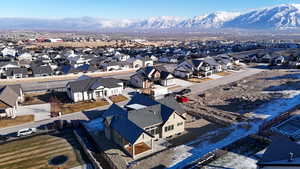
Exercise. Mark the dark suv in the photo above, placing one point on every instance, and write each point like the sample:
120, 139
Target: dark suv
185, 91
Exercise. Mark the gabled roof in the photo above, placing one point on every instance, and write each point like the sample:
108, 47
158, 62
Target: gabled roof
13, 71
279, 152
46, 69
92, 83
211, 61
197, 62
172, 103
142, 100
164, 75
8, 63
127, 129
114, 110
8, 96
146, 117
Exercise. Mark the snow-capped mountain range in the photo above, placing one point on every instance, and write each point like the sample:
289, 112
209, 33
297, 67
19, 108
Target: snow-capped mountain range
279, 17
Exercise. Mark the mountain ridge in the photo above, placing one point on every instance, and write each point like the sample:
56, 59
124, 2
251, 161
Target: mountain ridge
280, 17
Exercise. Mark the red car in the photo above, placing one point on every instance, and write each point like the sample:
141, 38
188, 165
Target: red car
182, 99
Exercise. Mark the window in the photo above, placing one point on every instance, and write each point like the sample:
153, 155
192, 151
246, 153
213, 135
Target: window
157, 130
180, 124
169, 128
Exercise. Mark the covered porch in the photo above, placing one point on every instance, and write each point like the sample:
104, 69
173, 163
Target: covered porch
139, 149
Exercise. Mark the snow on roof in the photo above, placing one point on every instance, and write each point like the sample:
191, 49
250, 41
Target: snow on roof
136, 106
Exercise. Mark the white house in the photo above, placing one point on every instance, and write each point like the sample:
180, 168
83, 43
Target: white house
87, 88
25, 56
9, 52
4, 66
121, 57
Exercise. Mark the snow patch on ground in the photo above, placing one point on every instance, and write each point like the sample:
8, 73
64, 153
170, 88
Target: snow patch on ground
233, 160
188, 153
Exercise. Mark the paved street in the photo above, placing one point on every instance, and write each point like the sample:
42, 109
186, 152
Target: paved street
201, 87
196, 89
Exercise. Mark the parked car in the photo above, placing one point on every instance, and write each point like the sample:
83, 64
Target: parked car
185, 91
171, 95
26, 132
3, 138
182, 99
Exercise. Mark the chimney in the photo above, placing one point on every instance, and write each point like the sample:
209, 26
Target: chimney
291, 157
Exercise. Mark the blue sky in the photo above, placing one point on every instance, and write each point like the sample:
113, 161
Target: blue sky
119, 9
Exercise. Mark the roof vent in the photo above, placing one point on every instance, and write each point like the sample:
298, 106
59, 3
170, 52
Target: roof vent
291, 157
154, 112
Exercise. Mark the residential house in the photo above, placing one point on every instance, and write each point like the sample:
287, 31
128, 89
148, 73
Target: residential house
225, 63
10, 96
146, 76
121, 57
184, 70
283, 153
77, 61
195, 67
25, 56
87, 88
277, 60
15, 73
216, 65
42, 70
142, 121
4, 66
141, 62
9, 52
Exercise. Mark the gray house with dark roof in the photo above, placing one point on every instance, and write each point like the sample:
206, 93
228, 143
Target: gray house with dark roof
145, 77
43, 70
14, 73
87, 88
142, 121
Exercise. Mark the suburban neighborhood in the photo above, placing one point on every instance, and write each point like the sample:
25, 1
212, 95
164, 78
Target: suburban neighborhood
149, 85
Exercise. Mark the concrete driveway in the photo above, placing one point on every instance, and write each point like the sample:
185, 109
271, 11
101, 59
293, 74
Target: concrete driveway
40, 111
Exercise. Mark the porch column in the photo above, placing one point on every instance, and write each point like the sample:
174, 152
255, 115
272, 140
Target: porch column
133, 151
151, 144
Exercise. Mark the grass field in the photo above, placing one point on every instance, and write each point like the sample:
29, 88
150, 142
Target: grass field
16, 121
35, 152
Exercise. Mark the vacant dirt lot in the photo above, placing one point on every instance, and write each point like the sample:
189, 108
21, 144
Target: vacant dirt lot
230, 102
35, 152
82, 106
118, 98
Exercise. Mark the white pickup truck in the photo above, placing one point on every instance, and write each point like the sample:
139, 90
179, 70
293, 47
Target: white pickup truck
26, 132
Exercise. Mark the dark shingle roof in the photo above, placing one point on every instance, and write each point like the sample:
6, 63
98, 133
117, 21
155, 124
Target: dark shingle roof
92, 83
127, 129
13, 71
114, 110
142, 100
146, 117
279, 150
172, 103
41, 69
